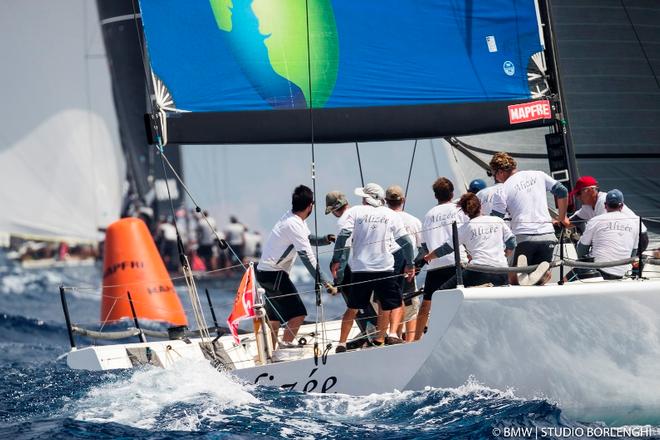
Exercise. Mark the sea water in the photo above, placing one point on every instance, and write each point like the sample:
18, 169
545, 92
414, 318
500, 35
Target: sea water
40, 397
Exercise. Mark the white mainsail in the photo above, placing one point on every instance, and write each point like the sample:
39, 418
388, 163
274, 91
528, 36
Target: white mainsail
60, 158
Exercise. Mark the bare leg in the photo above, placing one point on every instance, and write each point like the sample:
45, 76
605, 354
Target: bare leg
292, 327
410, 330
274, 330
347, 323
422, 318
382, 324
396, 316
513, 279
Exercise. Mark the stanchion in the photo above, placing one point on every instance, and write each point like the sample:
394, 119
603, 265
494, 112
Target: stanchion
135, 320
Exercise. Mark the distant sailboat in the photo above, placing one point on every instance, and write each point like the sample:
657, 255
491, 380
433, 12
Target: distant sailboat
60, 160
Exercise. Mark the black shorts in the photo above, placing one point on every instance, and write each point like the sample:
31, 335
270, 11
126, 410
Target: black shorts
345, 282
382, 284
435, 278
205, 251
474, 278
282, 299
535, 251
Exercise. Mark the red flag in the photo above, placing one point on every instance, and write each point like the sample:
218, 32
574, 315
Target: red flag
244, 302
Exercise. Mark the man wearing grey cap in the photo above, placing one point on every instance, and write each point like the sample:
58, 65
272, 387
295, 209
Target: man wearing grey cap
395, 199
373, 227
612, 236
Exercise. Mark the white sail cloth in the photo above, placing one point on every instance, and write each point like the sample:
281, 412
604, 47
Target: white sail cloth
61, 164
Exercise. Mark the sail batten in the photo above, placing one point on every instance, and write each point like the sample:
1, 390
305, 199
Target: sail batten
247, 70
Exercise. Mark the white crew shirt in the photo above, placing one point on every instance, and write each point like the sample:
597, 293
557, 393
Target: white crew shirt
413, 227
586, 212
167, 231
486, 197
436, 231
612, 236
289, 236
484, 239
373, 229
523, 195
235, 234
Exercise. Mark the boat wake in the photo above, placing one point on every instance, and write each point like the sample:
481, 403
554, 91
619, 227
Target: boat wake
196, 398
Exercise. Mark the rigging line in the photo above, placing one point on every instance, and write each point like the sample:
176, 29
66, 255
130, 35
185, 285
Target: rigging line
317, 275
456, 141
641, 45
357, 150
412, 161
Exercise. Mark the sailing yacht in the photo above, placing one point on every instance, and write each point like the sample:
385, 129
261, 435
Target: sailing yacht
60, 159
247, 72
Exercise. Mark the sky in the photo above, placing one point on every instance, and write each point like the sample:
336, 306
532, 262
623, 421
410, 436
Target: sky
255, 182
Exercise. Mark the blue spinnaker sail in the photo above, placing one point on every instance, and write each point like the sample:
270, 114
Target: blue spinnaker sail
361, 61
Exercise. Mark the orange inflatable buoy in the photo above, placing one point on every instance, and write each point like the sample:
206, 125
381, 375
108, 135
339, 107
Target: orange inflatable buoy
131, 263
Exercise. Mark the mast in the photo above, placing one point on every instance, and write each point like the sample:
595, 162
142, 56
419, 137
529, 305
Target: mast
121, 24
561, 154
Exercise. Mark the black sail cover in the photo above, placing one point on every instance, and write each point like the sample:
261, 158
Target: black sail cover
250, 71
609, 56
121, 29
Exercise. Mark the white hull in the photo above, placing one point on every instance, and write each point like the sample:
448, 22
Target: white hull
592, 347
359, 372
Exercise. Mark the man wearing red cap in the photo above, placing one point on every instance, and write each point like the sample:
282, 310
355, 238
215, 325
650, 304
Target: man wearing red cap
593, 203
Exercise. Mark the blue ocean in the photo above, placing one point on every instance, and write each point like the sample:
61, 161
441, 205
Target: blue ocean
42, 398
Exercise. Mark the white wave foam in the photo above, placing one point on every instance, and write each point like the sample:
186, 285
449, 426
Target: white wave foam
140, 400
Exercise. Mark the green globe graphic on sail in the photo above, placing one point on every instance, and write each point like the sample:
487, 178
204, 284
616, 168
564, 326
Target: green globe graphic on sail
269, 40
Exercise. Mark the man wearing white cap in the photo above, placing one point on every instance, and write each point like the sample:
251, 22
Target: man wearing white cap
612, 236
337, 204
372, 227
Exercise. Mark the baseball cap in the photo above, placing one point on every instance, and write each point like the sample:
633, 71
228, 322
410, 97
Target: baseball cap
476, 185
334, 200
614, 198
582, 183
373, 193
394, 193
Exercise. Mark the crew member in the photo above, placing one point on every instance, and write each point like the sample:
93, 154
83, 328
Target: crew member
485, 193
523, 195
283, 303
395, 199
372, 227
593, 203
612, 236
436, 231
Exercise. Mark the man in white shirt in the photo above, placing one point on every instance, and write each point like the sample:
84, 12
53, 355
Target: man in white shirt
593, 203
235, 237
612, 236
485, 193
436, 231
373, 227
337, 204
206, 241
523, 195
395, 199
289, 238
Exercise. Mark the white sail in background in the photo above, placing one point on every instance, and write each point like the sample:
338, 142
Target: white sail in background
61, 164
